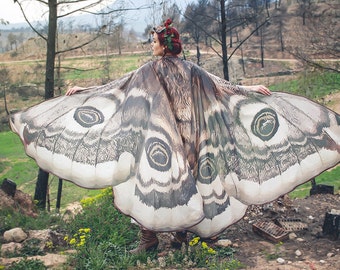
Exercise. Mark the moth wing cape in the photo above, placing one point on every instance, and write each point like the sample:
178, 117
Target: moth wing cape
182, 148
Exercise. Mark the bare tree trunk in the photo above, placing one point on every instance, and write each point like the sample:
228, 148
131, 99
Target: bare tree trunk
262, 47
42, 182
224, 41
282, 45
242, 56
198, 54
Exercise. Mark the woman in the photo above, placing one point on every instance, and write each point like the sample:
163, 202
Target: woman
182, 148
166, 44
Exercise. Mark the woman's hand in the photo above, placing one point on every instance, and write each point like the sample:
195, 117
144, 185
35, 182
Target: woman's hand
258, 88
74, 90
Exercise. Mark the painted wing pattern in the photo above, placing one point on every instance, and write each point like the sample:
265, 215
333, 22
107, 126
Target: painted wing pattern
182, 148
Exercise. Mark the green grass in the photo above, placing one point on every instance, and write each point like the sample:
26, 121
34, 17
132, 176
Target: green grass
330, 177
102, 238
313, 85
93, 68
21, 169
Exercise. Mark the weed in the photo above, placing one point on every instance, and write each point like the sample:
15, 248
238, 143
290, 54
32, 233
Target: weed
27, 264
276, 254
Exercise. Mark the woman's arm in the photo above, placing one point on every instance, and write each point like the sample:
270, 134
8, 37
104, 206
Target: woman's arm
257, 88
74, 90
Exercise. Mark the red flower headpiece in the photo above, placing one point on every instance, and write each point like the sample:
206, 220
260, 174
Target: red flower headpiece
171, 35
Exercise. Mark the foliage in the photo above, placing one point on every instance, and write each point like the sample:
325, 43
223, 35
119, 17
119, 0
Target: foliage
11, 219
27, 264
276, 254
18, 167
313, 84
330, 177
103, 237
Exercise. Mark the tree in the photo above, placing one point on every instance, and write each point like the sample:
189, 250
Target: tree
304, 9
12, 40
319, 36
197, 20
67, 7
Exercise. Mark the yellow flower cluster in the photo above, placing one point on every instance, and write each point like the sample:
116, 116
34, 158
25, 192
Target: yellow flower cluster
91, 200
194, 241
204, 245
79, 239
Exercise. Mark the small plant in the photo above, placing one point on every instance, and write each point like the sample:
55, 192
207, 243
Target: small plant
276, 254
31, 248
79, 239
27, 264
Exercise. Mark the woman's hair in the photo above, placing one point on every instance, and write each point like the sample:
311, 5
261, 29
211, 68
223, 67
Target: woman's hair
169, 37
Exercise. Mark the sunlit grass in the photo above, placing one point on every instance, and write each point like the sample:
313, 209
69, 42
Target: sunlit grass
22, 170
313, 85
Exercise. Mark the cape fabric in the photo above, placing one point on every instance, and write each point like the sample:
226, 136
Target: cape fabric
182, 148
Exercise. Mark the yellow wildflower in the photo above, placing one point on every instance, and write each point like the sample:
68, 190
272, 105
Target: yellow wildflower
73, 241
194, 241
204, 245
211, 251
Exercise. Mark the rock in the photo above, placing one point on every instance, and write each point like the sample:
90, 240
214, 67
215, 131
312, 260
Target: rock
10, 248
48, 239
15, 235
298, 253
292, 236
50, 260
280, 260
223, 243
71, 211
330, 254
21, 202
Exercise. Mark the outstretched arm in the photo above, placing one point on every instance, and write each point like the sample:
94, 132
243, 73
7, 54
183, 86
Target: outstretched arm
258, 88
74, 90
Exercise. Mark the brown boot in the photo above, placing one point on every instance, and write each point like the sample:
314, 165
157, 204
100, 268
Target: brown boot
148, 241
178, 238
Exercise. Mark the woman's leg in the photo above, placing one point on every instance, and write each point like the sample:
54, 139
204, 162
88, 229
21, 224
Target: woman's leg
148, 241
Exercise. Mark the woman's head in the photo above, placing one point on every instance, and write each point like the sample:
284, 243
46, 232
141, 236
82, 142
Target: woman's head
166, 40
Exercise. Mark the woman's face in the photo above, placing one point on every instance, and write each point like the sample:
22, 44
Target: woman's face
157, 48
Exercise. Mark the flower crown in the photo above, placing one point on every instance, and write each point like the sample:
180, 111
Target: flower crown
169, 33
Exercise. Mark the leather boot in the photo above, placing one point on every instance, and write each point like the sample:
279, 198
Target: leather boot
148, 241
178, 238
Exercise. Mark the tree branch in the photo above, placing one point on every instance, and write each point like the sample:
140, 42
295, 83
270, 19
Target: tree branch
29, 23
244, 40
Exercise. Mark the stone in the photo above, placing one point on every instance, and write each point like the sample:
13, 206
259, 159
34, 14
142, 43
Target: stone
224, 243
292, 236
330, 254
50, 260
298, 253
15, 235
21, 202
47, 238
9, 187
280, 260
10, 248
71, 211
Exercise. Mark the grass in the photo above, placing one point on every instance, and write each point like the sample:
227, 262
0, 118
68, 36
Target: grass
18, 167
102, 238
330, 177
313, 85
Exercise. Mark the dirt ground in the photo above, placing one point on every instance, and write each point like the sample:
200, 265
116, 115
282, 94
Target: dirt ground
306, 247
318, 251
